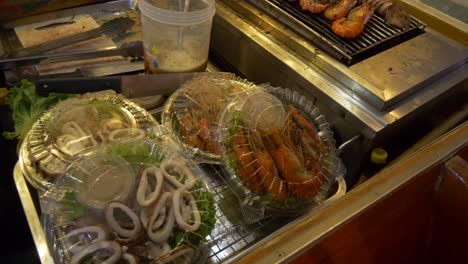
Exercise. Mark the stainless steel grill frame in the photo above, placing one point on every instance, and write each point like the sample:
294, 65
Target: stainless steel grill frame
377, 35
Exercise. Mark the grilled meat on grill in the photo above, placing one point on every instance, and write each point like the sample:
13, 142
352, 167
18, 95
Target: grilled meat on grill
394, 14
397, 17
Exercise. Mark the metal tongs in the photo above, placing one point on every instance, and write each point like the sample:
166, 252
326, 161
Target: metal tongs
34, 54
131, 49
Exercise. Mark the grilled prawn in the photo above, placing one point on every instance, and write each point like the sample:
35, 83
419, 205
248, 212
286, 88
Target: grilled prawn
314, 6
352, 26
339, 10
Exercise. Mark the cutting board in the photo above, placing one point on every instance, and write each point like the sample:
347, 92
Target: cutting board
32, 34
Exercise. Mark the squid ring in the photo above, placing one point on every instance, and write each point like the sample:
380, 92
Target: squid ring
78, 246
130, 258
180, 168
160, 219
101, 137
164, 230
182, 254
143, 187
179, 194
122, 232
67, 142
144, 216
107, 245
112, 124
72, 127
158, 250
126, 133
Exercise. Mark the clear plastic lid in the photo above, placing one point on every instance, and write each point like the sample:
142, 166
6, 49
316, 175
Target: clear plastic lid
75, 127
134, 200
192, 113
279, 151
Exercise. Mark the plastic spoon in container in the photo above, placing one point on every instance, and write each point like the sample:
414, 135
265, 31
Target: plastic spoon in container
180, 41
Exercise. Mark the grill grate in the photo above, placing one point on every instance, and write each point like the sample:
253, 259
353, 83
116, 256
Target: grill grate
377, 35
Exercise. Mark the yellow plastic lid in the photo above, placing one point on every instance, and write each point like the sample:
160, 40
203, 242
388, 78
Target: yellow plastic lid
379, 156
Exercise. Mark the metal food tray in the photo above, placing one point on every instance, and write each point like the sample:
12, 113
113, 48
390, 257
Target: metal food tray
234, 236
307, 230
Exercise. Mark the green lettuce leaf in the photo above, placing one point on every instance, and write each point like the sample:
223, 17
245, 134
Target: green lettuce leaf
205, 204
137, 153
73, 206
26, 106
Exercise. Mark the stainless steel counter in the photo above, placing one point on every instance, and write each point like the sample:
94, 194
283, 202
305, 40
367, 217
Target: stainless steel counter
382, 80
263, 49
266, 50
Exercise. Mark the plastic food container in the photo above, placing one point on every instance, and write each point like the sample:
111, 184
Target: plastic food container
279, 151
74, 128
191, 114
176, 34
130, 200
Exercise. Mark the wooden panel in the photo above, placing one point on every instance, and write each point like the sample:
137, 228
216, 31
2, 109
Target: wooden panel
450, 239
395, 230
463, 153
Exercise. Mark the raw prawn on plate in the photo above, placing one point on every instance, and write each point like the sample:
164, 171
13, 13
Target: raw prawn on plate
77, 126
130, 202
192, 113
279, 151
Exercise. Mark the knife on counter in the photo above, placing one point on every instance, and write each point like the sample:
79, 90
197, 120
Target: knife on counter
131, 86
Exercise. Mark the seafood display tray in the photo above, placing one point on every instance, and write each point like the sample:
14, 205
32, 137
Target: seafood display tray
240, 236
377, 35
37, 152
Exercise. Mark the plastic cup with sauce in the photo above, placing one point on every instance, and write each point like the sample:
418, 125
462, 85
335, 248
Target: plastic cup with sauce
176, 34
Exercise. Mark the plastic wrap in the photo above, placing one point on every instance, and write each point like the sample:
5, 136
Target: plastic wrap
75, 127
192, 113
132, 199
279, 151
